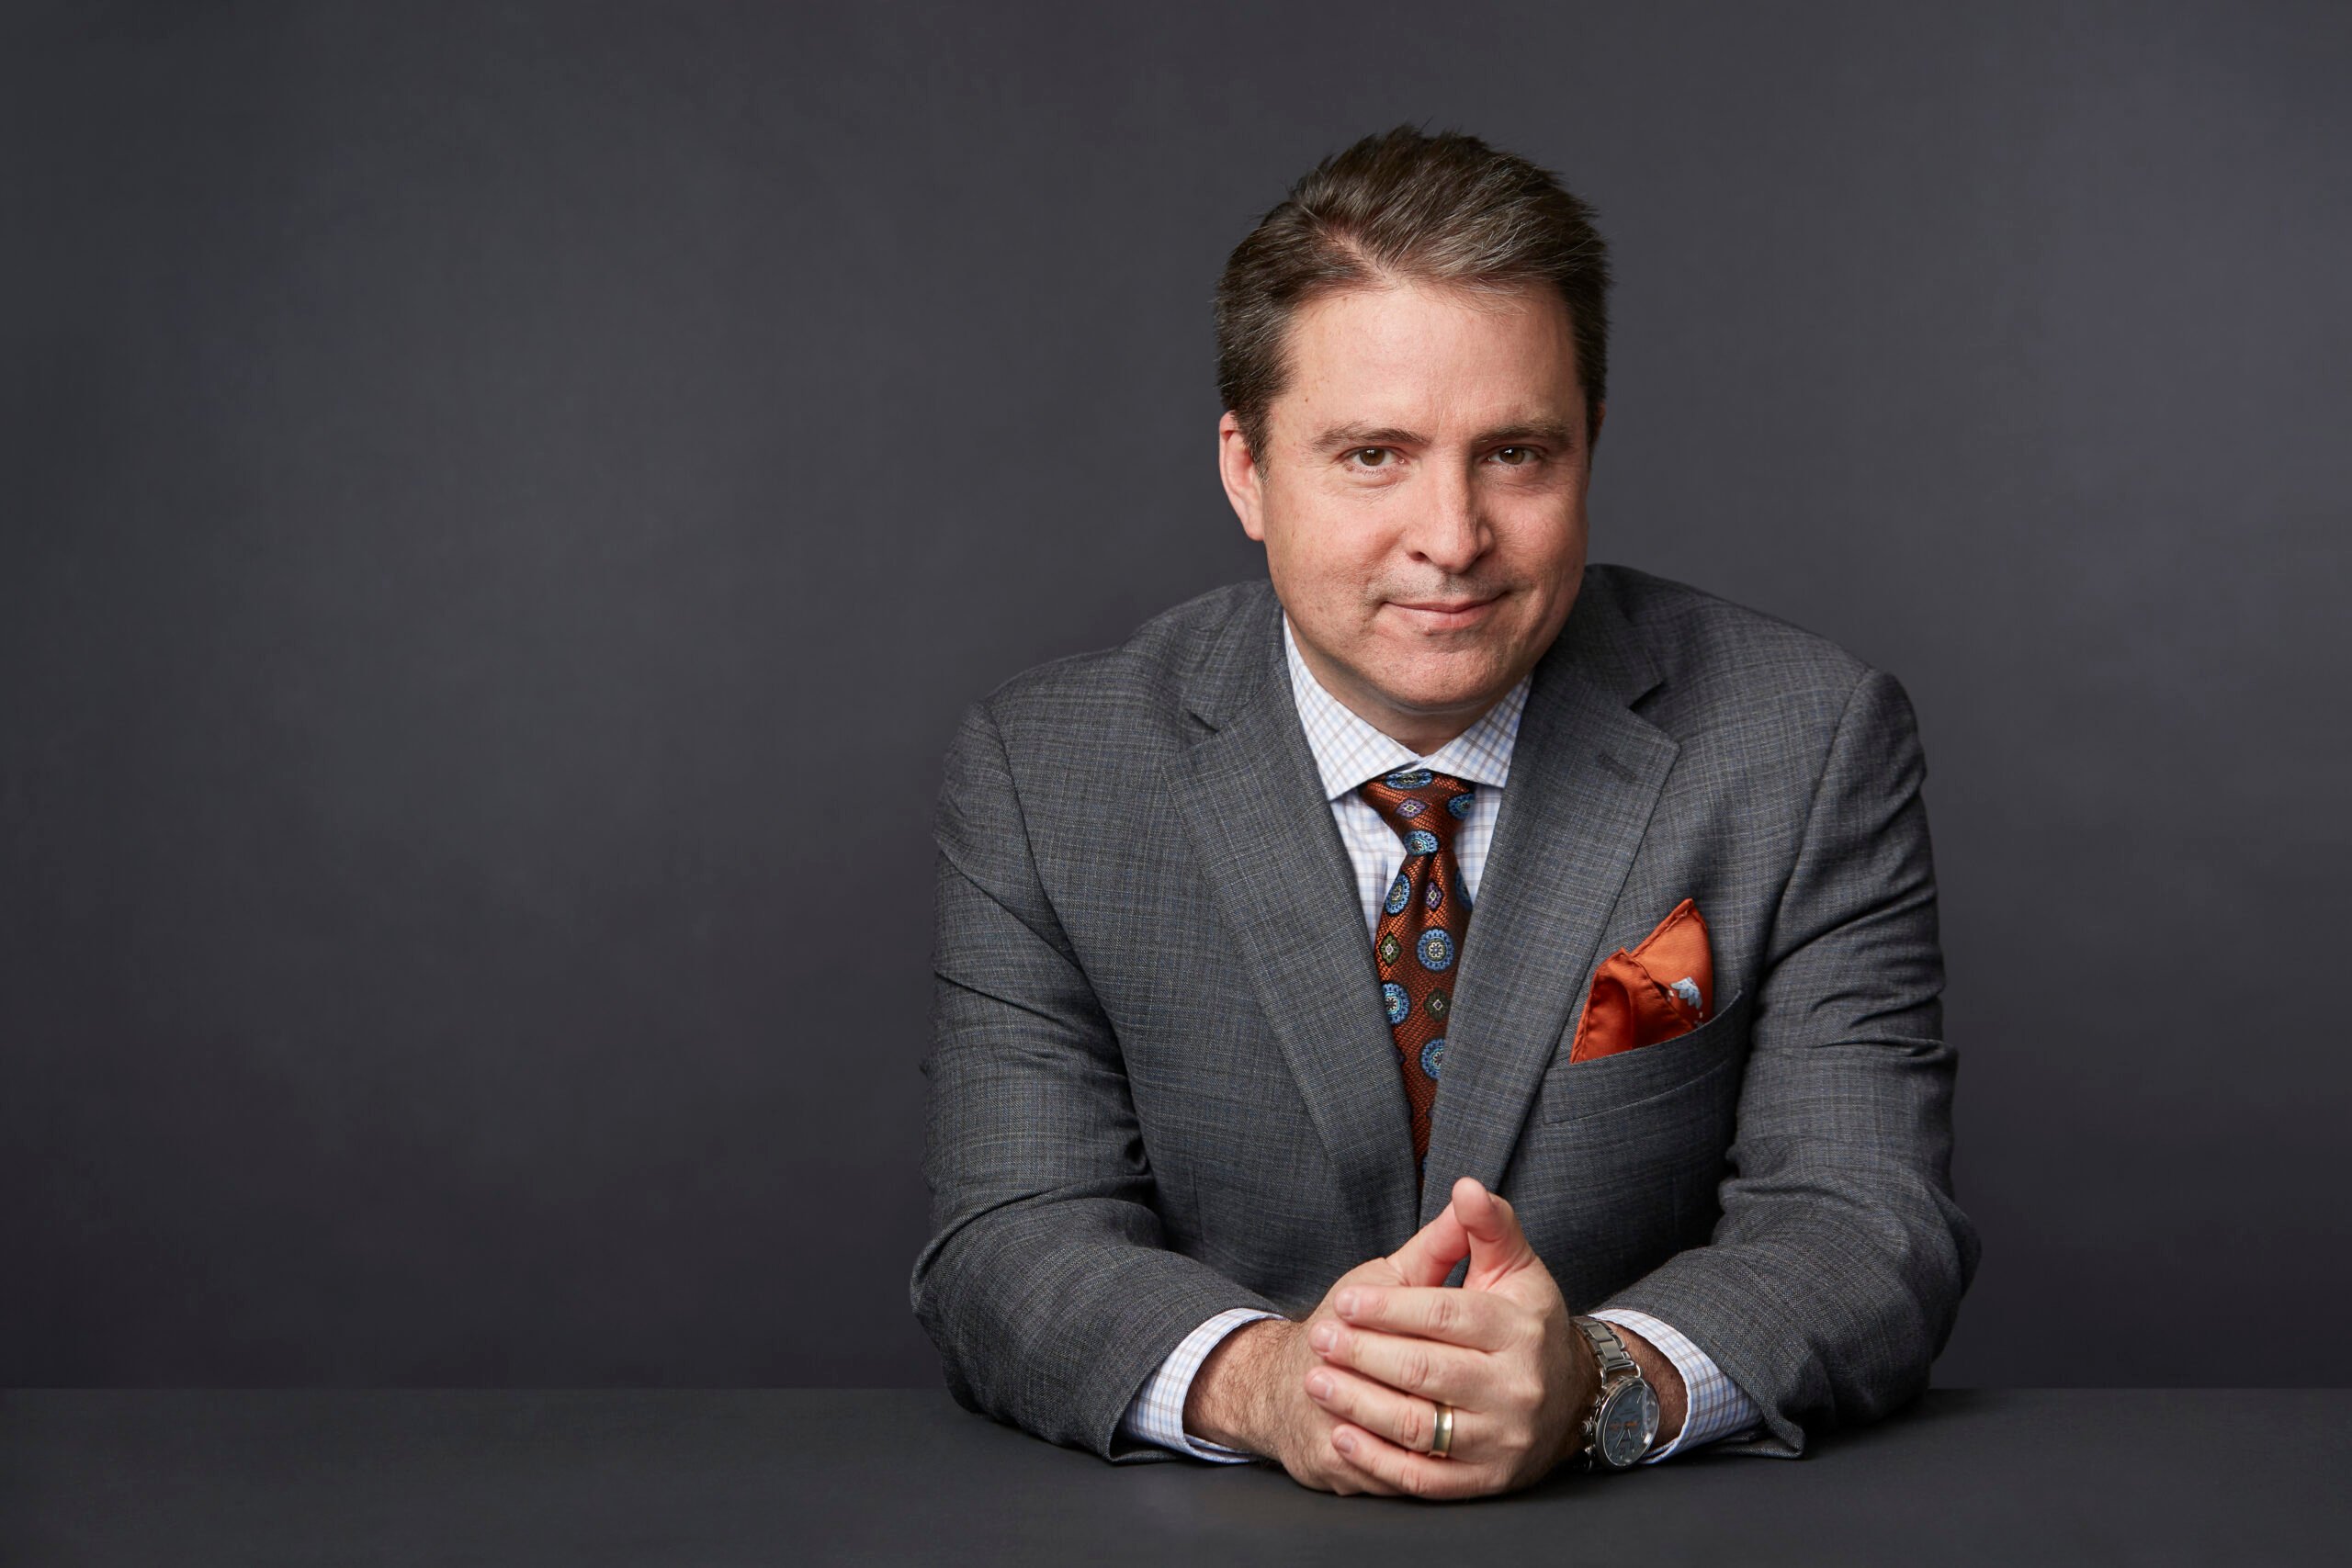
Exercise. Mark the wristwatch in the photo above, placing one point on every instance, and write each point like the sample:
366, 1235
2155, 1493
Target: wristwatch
1624, 1422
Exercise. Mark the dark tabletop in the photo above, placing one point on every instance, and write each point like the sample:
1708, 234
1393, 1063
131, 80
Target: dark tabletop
511, 1477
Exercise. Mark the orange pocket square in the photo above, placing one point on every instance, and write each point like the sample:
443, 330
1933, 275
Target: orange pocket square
1662, 988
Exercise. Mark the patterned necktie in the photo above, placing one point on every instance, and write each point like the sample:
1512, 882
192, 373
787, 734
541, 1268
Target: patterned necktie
1421, 923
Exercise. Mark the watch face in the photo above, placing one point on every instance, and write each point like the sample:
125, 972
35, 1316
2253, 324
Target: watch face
1628, 1422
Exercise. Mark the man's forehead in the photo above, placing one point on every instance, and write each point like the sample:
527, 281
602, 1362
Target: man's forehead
1410, 362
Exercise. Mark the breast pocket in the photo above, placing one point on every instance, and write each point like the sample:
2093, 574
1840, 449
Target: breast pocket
1611, 1085
1621, 1163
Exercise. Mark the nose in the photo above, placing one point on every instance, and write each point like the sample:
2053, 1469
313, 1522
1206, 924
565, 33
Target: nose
1448, 530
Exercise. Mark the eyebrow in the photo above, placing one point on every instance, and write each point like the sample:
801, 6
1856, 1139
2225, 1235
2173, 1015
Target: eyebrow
1350, 436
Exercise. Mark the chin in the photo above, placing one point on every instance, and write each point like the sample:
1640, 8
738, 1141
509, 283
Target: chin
1461, 668
1455, 690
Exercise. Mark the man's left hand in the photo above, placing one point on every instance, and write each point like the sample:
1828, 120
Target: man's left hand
1501, 1350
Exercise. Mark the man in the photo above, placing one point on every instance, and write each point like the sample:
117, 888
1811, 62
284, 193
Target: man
1641, 878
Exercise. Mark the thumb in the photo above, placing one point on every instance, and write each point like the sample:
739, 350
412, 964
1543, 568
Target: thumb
1499, 1248
1433, 1250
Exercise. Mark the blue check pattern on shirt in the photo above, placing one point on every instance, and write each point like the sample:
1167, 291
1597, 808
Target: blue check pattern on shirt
1347, 752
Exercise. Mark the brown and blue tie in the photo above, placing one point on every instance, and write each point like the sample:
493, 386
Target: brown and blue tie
1423, 919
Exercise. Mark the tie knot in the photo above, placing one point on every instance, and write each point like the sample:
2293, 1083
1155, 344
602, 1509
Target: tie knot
1424, 807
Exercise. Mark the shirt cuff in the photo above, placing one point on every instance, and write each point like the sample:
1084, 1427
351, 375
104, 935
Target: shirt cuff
1716, 1407
1156, 1414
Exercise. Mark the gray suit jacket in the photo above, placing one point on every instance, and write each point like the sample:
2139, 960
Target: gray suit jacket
1161, 1083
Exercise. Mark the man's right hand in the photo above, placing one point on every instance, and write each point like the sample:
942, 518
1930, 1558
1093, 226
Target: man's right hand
1251, 1391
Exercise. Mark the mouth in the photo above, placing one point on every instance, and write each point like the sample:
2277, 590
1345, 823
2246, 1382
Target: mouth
1445, 614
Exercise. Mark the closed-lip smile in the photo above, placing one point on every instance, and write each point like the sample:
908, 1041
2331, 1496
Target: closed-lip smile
1445, 614
1441, 606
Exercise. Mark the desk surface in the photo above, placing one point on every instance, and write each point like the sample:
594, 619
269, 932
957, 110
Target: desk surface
767, 1476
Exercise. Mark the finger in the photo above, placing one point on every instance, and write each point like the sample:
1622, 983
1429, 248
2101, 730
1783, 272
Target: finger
1349, 1479
1498, 1246
1346, 1480
1414, 1475
1408, 1422
1432, 1251
1473, 1318
1408, 1363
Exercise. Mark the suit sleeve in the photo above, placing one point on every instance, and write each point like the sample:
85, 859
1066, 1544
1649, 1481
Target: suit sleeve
1834, 1273
1045, 1284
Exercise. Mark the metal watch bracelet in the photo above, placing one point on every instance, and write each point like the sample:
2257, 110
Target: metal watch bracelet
1618, 1369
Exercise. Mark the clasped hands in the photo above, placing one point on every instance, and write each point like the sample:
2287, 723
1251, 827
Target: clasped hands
1347, 1399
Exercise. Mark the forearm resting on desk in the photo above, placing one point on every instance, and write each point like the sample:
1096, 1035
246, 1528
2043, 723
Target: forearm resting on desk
1228, 1403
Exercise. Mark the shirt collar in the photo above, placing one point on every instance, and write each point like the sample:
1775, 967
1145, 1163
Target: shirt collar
1348, 750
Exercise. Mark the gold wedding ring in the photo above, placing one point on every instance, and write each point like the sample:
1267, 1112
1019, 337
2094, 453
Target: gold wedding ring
1442, 1442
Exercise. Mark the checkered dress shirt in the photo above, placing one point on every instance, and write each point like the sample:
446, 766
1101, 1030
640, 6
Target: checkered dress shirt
1348, 751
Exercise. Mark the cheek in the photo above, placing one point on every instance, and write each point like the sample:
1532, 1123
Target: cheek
1545, 549
1339, 557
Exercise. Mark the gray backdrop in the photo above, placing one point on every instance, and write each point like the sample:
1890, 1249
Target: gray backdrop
503, 505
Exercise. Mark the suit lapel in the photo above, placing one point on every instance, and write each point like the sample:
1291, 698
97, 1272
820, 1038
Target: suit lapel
1252, 802
1584, 776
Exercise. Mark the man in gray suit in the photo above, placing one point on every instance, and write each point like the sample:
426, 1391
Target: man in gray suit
1220, 1165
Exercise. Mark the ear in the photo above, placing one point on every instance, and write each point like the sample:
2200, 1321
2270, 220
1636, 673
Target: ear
1238, 466
1599, 418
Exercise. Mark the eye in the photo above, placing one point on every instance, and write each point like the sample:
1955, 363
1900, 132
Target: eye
1525, 455
1371, 457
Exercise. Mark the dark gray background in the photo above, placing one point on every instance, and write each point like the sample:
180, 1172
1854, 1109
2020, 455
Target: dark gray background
504, 505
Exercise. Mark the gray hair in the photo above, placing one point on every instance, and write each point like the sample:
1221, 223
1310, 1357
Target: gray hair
1398, 207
